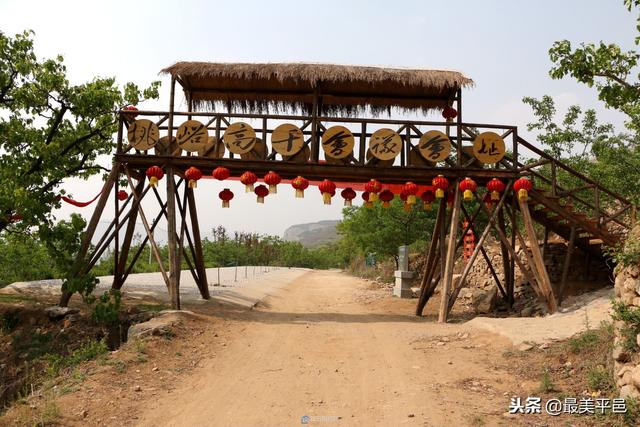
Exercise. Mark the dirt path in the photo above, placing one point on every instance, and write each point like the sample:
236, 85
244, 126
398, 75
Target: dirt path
323, 347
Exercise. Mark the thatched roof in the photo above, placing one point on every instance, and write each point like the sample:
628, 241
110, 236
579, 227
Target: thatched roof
343, 88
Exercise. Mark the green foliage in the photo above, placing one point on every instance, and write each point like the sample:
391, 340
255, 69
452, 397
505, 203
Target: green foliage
383, 230
605, 67
546, 383
88, 351
628, 254
631, 317
601, 378
584, 341
50, 130
107, 307
9, 321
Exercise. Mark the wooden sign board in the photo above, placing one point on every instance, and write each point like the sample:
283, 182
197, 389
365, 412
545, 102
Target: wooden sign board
239, 138
434, 146
337, 142
164, 148
385, 144
143, 134
287, 139
488, 147
212, 150
192, 135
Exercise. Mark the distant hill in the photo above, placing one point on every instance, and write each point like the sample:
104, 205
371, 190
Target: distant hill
313, 234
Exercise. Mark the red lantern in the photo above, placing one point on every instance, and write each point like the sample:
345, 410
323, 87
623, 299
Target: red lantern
130, 108
15, 218
122, 195
495, 186
262, 192
488, 200
225, 195
221, 173
406, 206
272, 179
411, 189
523, 186
193, 174
449, 113
442, 184
248, 179
155, 174
386, 196
367, 203
328, 189
348, 195
468, 186
427, 198
373, 187
300, 184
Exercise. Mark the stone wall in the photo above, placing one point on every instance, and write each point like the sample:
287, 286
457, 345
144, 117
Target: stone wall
626, 364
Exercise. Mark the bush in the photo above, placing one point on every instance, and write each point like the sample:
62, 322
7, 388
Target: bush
631, 317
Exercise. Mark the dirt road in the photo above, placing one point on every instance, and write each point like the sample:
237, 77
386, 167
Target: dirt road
327, 348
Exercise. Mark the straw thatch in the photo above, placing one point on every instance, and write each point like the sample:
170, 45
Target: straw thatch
342, 89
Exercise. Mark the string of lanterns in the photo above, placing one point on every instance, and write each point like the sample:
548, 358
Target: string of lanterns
374, 190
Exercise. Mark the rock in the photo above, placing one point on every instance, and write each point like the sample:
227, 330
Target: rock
635, 376
619, 354
161, 325
525, 347
526, 312
56, 312
484, 301
544, 346
628, 391
137, 388
624, 370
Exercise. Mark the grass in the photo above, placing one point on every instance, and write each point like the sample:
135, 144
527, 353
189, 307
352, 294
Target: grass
12, 299
89, 351
601, 379
546, 383
585, 341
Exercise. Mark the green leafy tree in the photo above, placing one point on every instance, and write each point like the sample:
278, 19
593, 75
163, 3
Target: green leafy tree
50, 129
383, 230
612, 71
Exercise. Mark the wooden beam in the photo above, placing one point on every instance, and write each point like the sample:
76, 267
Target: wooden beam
447, 277
537, 257
203, 284
118, 276
91, 228
426, 289
143, 218
476, 251
567, 264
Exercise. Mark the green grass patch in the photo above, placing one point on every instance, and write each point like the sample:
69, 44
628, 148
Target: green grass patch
587, 340
601, 378
546, 383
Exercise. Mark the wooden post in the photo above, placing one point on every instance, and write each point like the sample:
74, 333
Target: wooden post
174, 258
567, 263
545, 284
447, 277
203, 284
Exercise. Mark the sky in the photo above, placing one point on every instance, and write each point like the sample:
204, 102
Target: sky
502, 45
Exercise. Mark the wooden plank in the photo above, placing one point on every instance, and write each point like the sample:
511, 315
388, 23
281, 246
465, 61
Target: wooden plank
537, 257
447, 277
174, 257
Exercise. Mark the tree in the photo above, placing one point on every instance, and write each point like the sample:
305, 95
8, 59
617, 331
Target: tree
50, 129
383, 230
605, 66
